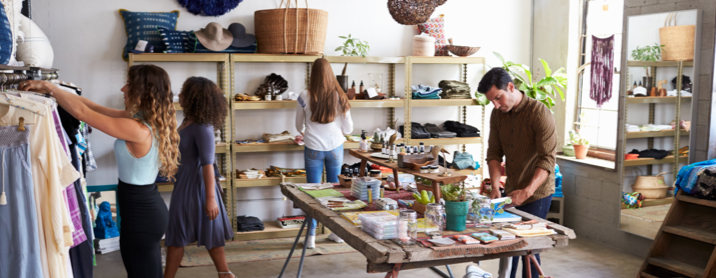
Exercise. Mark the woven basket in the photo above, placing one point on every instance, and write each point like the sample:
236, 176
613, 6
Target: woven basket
651, 187
678, 41
291, 30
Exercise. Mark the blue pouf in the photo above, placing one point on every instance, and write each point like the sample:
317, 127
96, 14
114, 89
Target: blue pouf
209, 7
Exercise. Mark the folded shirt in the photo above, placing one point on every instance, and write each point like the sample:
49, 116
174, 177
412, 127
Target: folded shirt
673, 93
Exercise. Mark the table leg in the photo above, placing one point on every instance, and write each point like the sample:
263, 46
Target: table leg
363, 163
436, 191
397, 181
528, 264
294, 247
505, 266
394, 273
537, 266
303, 254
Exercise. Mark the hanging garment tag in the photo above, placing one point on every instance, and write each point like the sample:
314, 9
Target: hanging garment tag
3, 199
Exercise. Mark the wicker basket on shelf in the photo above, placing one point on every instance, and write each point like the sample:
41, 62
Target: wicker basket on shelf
291, 30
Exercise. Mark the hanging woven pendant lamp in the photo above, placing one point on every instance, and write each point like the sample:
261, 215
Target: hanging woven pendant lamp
413, 12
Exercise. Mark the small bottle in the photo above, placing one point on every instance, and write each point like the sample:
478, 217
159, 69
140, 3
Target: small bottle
353, 86
382, 150
361, 86
370, 195
350, 172
430, 149
382, 191
422, 148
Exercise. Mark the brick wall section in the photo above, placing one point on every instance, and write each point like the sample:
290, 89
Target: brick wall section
592, 194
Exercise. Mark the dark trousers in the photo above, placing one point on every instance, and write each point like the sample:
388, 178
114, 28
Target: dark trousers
144, 221
539, 208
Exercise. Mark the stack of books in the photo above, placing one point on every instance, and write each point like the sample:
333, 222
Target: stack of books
354, 218
295, 221
502, 235
106, 245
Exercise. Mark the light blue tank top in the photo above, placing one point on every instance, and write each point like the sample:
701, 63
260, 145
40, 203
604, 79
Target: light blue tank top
137, 171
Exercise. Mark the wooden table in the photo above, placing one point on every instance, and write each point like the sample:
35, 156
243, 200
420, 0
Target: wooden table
387, 256
435, 179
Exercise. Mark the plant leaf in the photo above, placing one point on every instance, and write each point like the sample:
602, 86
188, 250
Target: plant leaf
499, 57
342, 37
481, 99
546, 82
339, 48
561, 95
547, 70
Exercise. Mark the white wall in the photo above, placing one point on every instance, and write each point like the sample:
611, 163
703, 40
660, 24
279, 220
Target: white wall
88, 36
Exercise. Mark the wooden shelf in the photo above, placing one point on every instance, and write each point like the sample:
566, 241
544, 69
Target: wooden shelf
273, 58
363, 103
446, 60
447, 141
222, 148
692, 233
177, 106
658, 64
178, 57
271, 230
265, 147
652, 161
366, 60
264, 104
169, 186
676, 266
634, 100
243, 183
650, 134
442, 102
697, 201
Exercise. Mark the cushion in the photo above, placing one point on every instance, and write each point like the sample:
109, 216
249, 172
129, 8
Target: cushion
144, 26
35, 49
435, 27
177, 41
6, 37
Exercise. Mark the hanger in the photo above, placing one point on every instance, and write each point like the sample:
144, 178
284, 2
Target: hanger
21, 103
21, 124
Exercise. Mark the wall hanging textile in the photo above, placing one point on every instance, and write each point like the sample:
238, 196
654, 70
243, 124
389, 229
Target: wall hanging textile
435, 27
602, 69
678, 40
209, 7
412, 12
289, 30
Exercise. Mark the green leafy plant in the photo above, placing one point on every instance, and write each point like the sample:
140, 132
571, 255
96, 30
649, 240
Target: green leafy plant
576, 139
424, 181
353, 47
647, 53
453, 193
425, 197
543, 90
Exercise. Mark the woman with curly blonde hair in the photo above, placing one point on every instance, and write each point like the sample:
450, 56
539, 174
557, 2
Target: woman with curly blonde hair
147, 145
197, 213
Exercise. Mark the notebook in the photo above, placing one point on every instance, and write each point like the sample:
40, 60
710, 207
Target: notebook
506, 217
322, 193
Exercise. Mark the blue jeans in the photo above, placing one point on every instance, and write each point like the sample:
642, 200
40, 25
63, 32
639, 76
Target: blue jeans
314, 161
538, 208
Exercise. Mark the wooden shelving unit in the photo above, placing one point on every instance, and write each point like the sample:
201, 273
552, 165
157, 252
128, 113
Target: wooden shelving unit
244, 183
634, 100
653, 161
652, 134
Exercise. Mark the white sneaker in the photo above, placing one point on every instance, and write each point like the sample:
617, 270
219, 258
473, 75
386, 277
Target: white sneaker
311, 242
335, 238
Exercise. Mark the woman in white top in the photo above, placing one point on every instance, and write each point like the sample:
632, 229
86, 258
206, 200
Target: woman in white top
323, 116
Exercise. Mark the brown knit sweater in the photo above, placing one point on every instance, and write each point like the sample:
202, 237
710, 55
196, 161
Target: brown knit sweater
526, 137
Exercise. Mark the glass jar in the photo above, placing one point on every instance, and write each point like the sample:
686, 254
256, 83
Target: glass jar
434, 219
485, 212
424, 169
407, 227
434, 169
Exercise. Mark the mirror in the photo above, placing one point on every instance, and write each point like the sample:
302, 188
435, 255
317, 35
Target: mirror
654, 150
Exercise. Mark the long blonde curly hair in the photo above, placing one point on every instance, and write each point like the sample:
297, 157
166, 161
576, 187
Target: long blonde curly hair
150, 97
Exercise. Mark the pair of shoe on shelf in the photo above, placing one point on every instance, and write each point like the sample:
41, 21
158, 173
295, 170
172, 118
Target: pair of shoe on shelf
453, 129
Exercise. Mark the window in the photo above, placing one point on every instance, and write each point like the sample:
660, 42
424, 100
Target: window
599, 124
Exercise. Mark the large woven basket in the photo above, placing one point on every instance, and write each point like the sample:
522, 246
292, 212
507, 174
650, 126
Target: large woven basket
651, 187
678, 41
291, 30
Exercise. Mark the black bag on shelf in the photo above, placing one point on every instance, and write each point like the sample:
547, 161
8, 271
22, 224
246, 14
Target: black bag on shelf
417, 131
437, 132
461, 129
248, 223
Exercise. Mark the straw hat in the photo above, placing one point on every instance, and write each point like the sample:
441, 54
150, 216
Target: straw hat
214, 37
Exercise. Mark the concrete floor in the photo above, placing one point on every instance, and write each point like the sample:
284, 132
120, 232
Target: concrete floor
582, 258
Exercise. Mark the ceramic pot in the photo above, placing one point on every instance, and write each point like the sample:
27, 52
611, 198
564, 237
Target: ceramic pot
456, 213
580, 151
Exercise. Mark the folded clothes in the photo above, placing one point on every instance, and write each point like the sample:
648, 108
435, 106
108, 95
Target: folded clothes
248, 223
462, 130
425, 92
651, 153
672, 93
277, 138
632, 128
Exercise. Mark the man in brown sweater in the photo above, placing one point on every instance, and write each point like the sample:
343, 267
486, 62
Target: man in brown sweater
522, 130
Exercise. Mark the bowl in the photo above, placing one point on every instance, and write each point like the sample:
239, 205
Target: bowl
462, 51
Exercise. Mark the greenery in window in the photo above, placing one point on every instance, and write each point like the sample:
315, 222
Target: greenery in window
543, 90
647, 54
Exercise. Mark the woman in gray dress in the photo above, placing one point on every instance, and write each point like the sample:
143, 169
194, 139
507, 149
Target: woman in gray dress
196, 212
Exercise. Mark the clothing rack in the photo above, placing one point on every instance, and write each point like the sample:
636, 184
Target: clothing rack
20, 74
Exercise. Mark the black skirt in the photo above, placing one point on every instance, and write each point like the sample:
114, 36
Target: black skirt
144, 219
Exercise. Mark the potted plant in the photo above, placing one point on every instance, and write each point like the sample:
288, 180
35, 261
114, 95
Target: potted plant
581, 145
647, 53
351, 47
456, 206
543, 90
